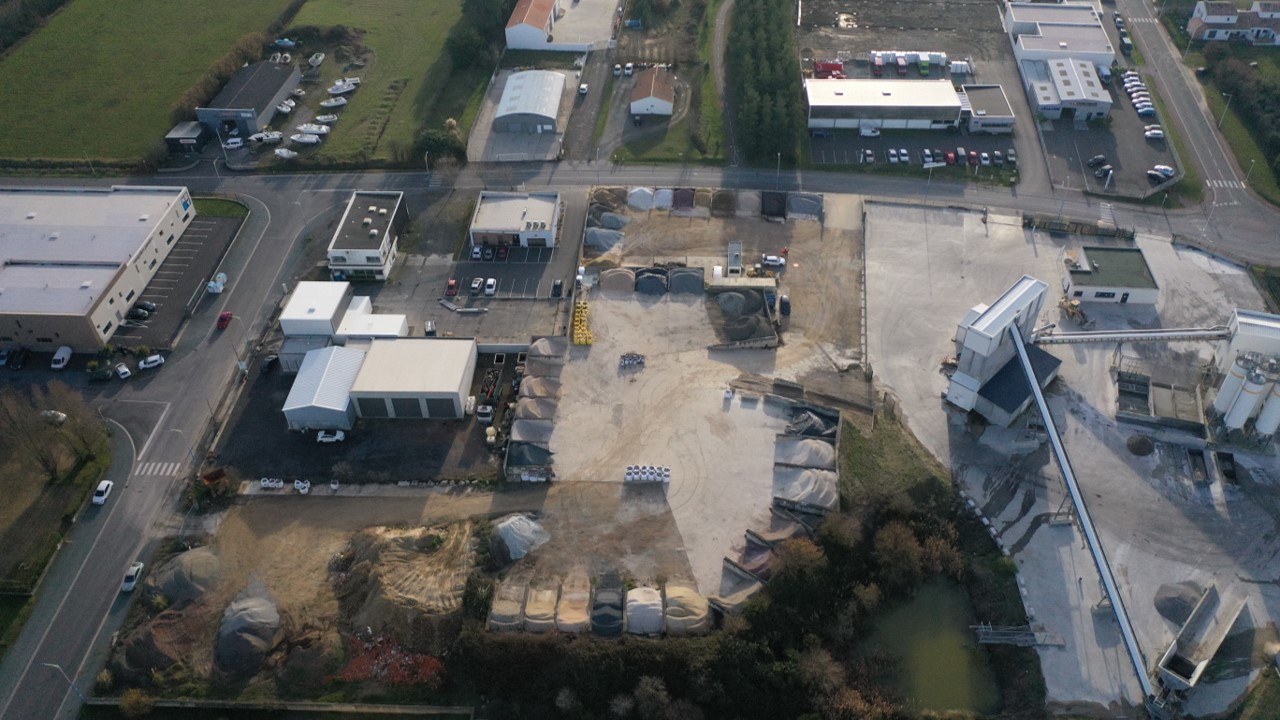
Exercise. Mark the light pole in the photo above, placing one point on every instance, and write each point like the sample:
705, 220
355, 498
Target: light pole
1246, 175
58, 667
1226, 107
777, 174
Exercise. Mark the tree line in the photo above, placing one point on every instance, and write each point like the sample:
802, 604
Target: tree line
763, 75
18, 18
1254, 96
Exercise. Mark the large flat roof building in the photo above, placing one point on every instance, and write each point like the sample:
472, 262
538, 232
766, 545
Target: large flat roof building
366, 243
882, 103
523, 219
415, 378
1040, 31
72, 261
315, 308
1065, 87
1112, 275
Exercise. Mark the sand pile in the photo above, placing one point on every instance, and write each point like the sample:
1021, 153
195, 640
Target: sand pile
535, 409
805, 452
187, 576
687, 612
574, 612
810, 488
540, 606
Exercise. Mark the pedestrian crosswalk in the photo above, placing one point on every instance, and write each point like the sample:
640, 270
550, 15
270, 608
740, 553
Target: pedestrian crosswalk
1107, 214
1148, 20
435, 181
1233, 184
157, 469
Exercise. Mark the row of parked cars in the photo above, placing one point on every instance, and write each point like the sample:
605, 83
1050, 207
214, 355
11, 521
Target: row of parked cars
1103, 170
1140, 96
960, 156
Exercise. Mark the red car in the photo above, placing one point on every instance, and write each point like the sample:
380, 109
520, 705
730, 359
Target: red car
502, 252
973, 157
451, 288
224, 320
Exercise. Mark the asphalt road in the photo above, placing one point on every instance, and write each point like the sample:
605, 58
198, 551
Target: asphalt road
162, 421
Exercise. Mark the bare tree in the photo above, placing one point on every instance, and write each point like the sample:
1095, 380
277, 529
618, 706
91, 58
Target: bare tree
20, 420
84, 430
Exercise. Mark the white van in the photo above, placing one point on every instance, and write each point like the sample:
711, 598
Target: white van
61, 358
869, 132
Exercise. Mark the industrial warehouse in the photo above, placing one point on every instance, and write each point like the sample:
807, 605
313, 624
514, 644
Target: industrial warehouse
76, 260
887, 104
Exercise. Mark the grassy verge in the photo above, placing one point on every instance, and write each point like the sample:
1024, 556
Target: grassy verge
710, 110
14, 611
602, 117
1190, 189
887, 462
406, 74
538, 59
1244, 147
218, 207
99, 79
1268, 279
1263, 702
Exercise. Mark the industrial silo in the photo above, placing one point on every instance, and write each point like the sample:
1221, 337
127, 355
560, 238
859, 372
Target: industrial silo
1247, 402
1231, 384
1269, 419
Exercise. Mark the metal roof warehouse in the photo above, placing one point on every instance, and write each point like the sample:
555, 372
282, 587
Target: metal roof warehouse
887, 103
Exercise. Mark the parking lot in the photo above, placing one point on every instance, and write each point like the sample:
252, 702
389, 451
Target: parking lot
179, 281
847, 147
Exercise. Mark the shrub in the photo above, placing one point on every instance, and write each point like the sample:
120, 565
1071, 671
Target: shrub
135, 703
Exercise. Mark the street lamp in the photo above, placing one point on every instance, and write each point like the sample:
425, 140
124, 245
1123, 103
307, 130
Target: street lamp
1246, 175
58, 667
777, 174
1226, 107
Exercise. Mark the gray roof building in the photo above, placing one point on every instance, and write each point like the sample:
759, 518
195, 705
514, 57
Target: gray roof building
530, 102
247, 104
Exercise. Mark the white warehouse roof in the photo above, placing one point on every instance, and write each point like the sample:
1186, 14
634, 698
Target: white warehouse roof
512, 212
422, 366
60, 249
311, 300
532, 92
882, 93
325, 379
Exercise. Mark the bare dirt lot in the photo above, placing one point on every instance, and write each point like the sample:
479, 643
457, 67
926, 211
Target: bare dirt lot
960, 28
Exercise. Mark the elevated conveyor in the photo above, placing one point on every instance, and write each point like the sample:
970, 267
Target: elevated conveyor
1082, 513
1109, 336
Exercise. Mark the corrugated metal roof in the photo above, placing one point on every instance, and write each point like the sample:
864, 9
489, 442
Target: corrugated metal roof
532, 92
325, 378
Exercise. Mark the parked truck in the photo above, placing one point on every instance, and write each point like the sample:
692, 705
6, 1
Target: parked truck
877, 64
902, 66
828, 69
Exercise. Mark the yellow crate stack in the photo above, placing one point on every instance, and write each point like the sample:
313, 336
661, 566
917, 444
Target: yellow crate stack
582, 323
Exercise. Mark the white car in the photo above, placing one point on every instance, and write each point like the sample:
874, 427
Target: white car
869, 132
893, 155
582, 89
484, 414
103, 492
1152, 127
927, 156
903, 155
122, 371
617, 71
1164, 170
330, 436
985, 159
1154, 134
53, 417
491, 287
773, 261
152, 361
132, 576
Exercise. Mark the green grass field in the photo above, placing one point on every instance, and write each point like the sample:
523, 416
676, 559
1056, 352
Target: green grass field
408, 73
98, 81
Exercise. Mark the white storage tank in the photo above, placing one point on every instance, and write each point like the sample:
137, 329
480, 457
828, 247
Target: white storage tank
1231, 384
1247, 403
1269, 419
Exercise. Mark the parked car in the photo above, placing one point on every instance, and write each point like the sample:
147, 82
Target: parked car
491, 287
927, 156
985, 159
484, 414
269, 363
1164, 170
233, 143
330, 436
1097, 160
973, 157
477, 252
103, 492
488, 253
1012, 156
132, 576
61, 358
773, 261
1153, 134
869, 132
503, 250
938, 155
582, 89
451, 287
893, 155
961, 155
53, 417
123, 372
1152, 127
151, 361
557, 288
1146, 112
1103, 171
997, 158
224, 320
19, 358
629, 69
903, 155
138, 314
1155, 178
146, 305
869, 156
4, 357
951, 158
476, 286
617, 70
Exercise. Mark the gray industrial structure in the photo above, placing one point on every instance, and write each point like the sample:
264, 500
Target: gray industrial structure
530, 103
247, 104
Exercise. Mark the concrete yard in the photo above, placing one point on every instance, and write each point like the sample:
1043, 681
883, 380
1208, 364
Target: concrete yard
925, 269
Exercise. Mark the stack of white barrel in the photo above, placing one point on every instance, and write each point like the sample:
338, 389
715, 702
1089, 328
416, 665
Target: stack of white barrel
647, 473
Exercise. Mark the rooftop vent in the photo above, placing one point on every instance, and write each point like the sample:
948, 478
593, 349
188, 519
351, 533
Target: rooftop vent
143, 218
1062, 45
373, 208
53, 236
373, 232
86, 284
31, 216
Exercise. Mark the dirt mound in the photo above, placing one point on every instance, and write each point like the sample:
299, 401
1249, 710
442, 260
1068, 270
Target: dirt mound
539, 388
745, 328
736, 304
612, 198
548, 347
748, 203
248, 632
159, 644
618, 280
1175, 602
724, 203
309, 659
406, 582
686, 280
603, 239
687, 611
187, 576
613, 221
535, 409
537, 432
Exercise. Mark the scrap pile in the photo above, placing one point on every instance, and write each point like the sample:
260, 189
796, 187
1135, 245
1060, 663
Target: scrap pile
630, 360
582, 323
